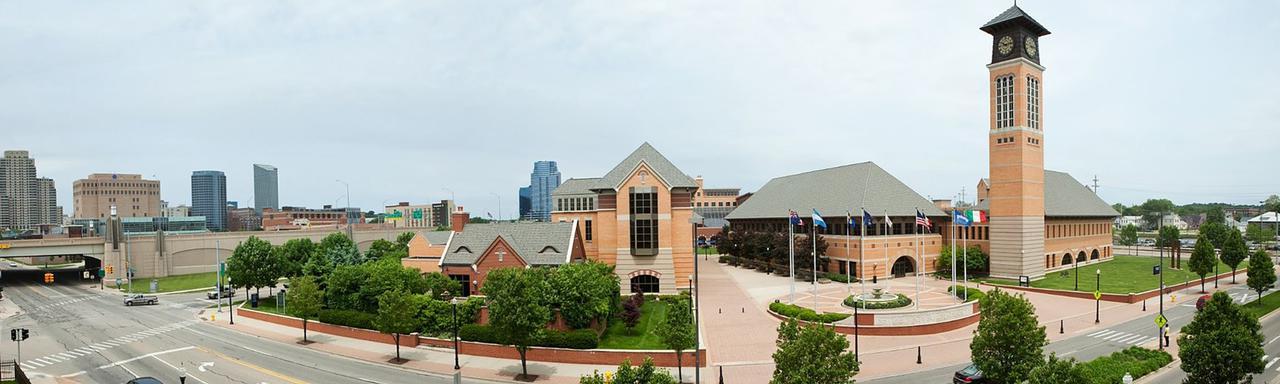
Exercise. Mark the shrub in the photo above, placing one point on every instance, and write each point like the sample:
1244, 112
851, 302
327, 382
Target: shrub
974, 293
355, 319
841, 278
806, 314
725, 259
477, 333
900, 302
576, 339
1135, 361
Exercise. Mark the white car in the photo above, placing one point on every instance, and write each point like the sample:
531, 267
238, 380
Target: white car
13, 264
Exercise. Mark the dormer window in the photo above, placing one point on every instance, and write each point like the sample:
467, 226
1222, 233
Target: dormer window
463, 249
549, 249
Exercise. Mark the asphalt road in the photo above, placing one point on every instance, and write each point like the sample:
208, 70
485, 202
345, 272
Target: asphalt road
1090, 345
80, 334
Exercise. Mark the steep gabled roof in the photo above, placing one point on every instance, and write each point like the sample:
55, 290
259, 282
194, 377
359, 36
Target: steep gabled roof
538, 243
833, 192
662, 167
1064, 196
1011, 16
576, 186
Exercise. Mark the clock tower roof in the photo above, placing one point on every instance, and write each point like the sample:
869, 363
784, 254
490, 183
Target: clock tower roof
1012, 18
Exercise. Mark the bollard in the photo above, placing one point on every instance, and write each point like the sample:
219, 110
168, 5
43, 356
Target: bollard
918, 361
720, 310
721, 374
1144, 305
744, 309
1062, 326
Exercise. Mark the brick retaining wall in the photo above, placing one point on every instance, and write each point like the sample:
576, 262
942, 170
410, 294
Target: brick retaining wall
409, 340
1128, 298
902, 330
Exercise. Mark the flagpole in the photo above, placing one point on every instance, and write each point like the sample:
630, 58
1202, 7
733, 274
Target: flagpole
791, 245
888, 231
919, 263
814, 240
954, 226
848, 269
862, 249
966, 262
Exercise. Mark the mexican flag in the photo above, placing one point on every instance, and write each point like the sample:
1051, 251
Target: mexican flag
976, 217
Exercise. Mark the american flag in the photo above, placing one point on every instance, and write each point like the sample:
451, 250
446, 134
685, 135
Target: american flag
795, 219
922, 220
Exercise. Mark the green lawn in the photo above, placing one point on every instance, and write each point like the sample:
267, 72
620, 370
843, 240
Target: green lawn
1269, 303
175, 283
652, 315
1124, 274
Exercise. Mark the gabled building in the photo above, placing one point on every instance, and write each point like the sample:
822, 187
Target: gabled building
638, 218
475, 249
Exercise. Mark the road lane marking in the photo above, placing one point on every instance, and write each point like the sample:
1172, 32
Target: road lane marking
189, 375
1272, 362
1100, 333
153, 354
27, 366
253, 367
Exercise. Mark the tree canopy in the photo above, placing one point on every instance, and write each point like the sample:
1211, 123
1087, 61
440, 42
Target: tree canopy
1169, 237
1009, 341
1203, 258
1153, 209
1262, 273
517, 311
678, 333
1216, 233
253, 264
397, 315
584, 292
1222, 344
1129, 235
1057, 371
294, 254
303, 300
1234, 252
812, 354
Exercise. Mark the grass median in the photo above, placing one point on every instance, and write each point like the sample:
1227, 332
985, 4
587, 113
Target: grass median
1121, 275
174, 283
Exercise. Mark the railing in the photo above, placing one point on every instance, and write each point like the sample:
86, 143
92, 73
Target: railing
11, 371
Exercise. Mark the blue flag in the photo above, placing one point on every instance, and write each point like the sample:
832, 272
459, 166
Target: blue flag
795, 219
960, 218
817, 220
867, 220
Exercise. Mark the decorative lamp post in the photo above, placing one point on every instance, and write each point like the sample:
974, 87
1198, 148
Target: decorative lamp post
1097, 299
454, 302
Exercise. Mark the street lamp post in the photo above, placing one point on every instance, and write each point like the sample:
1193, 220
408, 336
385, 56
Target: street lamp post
346, 211
1076, 271
1160, 247
1097, 299
454, 302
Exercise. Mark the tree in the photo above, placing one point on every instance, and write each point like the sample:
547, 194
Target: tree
584, 292
1261, 274
1271, 204
627, 374
631, 314
339, 249
403, 239
1234, 252
1009, 341
517, 312
977, 261
294, 254
1222, 344
303, 301
378, 249
1154, 209
438, 284
1118, 207
1170, 237
1216, 233
320, 266
1215, 215
1129, 235
677, 334
1057, 371
1203, 258
253, 264
397, 315
1255, 233
812, 354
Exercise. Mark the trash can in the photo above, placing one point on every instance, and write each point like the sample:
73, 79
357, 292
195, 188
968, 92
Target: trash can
253, 300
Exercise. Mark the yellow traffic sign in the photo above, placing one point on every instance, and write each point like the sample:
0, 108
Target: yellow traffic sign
1161, 321
1097, 295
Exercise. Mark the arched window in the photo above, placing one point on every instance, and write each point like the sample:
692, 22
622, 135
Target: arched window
644, 283
1033, 102
1004, 101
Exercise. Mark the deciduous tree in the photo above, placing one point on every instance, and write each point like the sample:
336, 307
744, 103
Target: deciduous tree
1203, 259
812, 354
303, 300
1234, 252
1129, 235
294, 255
1009, 341
1261, 274
1057, 371
1222, 344
517, 311
397, 312
1154, 209
584, 292
677, 333
1216, 233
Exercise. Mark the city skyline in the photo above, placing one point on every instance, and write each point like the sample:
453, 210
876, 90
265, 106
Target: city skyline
848, 57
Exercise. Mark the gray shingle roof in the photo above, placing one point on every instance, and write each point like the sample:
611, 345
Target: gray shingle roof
436, 237
577, 186
833, 192
536, 243
660, 165
1014, 14
1064, 196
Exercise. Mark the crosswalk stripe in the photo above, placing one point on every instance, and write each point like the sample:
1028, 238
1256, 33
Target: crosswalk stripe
54, 358
97, 348
67, 355
1127, 338
25, 365
84, 349
77, 353
1138, 340
1100, 333
1272, 362
1115, 336
36, 363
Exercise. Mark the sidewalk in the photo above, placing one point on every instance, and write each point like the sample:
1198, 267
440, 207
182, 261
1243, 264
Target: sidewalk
422, 358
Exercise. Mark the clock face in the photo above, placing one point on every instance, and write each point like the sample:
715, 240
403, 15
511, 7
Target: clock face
1006, 45
1031, 46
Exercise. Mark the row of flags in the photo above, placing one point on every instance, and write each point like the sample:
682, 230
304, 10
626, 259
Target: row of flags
965, 218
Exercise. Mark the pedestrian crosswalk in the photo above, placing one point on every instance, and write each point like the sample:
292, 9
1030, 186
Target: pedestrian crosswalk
1122, 337
62, 303
71, 354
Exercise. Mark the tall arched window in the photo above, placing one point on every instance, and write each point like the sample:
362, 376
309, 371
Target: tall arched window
1033, 102
644, 283
1004, 101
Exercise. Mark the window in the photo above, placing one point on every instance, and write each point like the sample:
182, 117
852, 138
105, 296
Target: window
644, 283
465, 282
588, 229
1004, 101
1033, 102
644, 221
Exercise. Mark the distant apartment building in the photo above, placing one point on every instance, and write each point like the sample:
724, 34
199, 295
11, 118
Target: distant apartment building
542, 181
713, 204
291, 218
266, 187
25, 200
406, 215
243, 219
132, 196
209, 198
526, 202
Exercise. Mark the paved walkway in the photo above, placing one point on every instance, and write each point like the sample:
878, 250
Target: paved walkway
421, 358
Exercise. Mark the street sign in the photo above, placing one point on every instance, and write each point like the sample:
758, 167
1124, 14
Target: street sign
1097, 295
86, 274
222, 268
1161, 321
102, 273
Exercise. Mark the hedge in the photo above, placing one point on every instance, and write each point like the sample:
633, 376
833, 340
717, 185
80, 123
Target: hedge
900, 302
841, 278
1135, 361
725, 259
806, 314
348, 318
576, 339
974, 293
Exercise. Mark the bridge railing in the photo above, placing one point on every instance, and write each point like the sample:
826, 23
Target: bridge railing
10, 371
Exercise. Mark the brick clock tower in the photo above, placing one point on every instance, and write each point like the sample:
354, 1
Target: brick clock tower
1016, 146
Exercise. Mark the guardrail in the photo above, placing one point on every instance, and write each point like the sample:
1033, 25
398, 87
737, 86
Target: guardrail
11, 371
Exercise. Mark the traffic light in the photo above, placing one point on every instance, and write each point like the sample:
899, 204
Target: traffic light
25, 334
111, 269
13, 334
48, 277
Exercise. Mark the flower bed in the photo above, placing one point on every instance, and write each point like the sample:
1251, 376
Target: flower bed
899, 302
974, 294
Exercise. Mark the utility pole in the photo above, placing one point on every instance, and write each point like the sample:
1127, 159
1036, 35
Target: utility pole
1095, 184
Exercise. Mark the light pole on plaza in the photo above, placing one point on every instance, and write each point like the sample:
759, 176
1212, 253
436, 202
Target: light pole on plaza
346, 212
454, 301
1097, 298
1160, 247
1076, 271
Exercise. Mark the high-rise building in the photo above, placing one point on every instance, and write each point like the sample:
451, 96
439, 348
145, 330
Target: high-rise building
441, 214
542, 181
25, 201
526, 202
266, 187
132, 196
209, 198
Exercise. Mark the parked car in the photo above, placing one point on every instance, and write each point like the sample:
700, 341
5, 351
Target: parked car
140, 299
969, 374
13, 264
226, 292
145, 380
1200, 303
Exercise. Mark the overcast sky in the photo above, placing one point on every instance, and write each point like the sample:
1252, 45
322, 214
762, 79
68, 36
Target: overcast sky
1175, 99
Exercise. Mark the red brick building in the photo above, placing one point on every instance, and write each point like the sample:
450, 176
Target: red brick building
475, 249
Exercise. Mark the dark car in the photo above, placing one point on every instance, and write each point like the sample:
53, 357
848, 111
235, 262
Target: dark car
145, 380
1202, 301
969, 374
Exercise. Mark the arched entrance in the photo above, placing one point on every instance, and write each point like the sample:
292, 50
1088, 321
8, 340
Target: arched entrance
1066, 259
1080, 258
903, 265
644, 283
1094, 256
